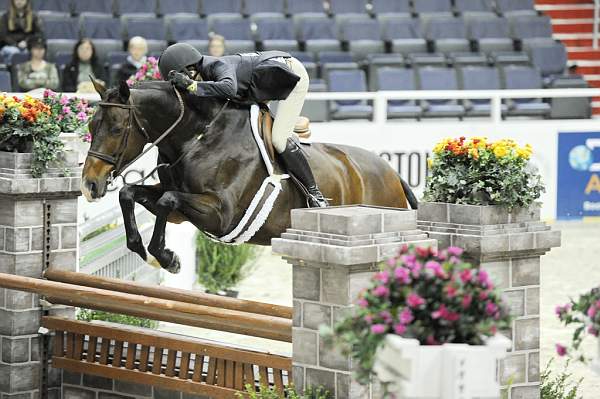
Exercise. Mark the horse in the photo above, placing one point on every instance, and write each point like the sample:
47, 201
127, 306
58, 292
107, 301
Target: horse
215, 167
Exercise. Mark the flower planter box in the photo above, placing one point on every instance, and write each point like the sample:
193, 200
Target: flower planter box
449, 371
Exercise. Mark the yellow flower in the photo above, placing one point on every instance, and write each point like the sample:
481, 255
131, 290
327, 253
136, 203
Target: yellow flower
474, 153
429, 162
500, 151
440, 146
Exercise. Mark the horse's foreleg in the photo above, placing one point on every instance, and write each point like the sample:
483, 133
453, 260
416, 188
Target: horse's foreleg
128, 196
200, 209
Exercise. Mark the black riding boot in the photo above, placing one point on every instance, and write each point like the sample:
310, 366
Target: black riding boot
295, 162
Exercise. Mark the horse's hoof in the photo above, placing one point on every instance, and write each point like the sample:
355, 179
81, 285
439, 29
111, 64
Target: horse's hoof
137, 246
152, 261
175, 265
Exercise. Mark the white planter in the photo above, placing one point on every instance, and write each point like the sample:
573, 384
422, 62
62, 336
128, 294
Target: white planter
449, 371
595, 364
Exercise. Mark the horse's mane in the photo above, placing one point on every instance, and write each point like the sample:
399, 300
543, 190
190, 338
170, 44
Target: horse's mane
152, 84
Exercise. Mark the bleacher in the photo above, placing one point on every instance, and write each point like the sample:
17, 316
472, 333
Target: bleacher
346, 45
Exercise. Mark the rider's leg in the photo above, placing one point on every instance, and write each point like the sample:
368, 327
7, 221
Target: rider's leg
288, 112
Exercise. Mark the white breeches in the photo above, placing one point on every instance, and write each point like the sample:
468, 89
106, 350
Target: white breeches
289, 109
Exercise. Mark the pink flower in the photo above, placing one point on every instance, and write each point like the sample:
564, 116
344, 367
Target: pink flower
66, 110
406, 316
82, 116
403, 249
450, 290
466, 275
559, 310
466, 301
369, 319
414, 301
483, 295
129, 82
402, 275
399, 328
593, 331
436, 268
455, 251
442, 255
378, 328
49, 93
430, 340
423, 252
484, 278
386, 316
87, 138
561, 350
152, 60
591, 312
491, 308
383, 276
59, 118
445, 314
156, 75
381, 291
363, 303
63, 100
408, 259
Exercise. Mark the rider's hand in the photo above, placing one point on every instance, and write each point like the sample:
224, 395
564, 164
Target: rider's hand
180, 80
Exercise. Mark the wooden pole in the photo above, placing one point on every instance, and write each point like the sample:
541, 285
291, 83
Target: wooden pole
173, 294
234, 321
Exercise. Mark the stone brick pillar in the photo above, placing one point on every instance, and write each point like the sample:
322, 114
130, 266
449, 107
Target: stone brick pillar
509, 246
334, 251
38, 227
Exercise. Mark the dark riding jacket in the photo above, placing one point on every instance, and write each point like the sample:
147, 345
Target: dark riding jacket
248, 78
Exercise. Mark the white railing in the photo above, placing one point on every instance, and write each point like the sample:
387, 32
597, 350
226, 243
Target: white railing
596, 21
380, 98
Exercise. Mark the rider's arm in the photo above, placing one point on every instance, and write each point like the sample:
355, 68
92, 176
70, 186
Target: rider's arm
219, 81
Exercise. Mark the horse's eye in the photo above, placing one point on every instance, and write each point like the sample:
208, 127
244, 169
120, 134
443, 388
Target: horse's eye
115, 130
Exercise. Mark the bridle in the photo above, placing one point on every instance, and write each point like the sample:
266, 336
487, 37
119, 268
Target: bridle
117, 159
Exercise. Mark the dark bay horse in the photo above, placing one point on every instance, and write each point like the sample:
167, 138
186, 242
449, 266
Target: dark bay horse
216, 177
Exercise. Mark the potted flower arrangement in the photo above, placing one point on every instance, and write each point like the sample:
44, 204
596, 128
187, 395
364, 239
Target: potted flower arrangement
148, 71
584, 315
427, 326
476, 181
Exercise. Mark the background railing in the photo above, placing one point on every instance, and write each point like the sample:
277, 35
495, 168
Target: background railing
380, 98
596, 21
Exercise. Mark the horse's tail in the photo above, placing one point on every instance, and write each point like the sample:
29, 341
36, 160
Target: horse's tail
410, 195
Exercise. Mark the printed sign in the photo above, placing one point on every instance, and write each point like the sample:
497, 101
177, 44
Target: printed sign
578, 188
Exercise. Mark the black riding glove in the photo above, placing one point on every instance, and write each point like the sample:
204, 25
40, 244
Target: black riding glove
182, 81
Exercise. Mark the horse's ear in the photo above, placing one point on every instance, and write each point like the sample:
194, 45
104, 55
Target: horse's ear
123, 92
99, 86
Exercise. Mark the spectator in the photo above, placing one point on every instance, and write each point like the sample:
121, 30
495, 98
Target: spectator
37, 72
216, 45
137, 57
17, 26
83, 64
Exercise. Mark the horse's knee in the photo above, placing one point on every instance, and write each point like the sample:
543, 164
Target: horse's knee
126, 194
169, 200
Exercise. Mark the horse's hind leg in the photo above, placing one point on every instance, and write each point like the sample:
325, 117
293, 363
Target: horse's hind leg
128, 196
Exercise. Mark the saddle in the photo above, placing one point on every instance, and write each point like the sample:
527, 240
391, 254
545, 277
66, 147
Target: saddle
265, 129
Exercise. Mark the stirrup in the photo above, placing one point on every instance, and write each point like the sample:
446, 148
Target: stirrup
317, 200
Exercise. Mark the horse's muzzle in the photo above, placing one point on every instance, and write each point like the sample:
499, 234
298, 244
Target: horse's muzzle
93, 189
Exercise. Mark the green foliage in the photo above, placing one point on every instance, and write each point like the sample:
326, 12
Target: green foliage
221, 267
478, 172
98, 231
89, 315
265, 392
559, 386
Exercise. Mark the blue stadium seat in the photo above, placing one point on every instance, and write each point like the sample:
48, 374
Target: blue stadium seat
4, 4
347, 7
447, 33
383, 60
467, 58
60, 27
479, 78
305, 7
517, 77
318, 33
264, 7
192, 30
152, 29
116, 57
91, 7
530, 27
363, 36
515, 7
19, 58
236, 30
348, 81
276, 34
391, 8
62, 58
335, 57
509, 58
52, 7
549, 58
399, 79
221, 7
5, 81
469, 8
175, 7
426, 59
136, 7
439, 78
101, 27
490, 34
430, 8
404, 34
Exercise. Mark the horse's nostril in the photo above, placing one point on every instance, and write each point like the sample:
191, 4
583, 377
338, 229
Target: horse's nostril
94, 189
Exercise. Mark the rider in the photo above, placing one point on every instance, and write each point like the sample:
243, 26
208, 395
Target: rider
254, 78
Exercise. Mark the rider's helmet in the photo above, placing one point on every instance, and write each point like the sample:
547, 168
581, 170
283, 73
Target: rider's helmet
177, 57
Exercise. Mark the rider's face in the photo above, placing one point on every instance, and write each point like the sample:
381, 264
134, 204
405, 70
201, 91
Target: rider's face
192, 72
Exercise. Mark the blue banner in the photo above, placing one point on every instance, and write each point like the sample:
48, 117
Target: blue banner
578, 191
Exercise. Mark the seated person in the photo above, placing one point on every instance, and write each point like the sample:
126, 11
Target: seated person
216, 45
37, 73
138, 48
76, 76
18, 25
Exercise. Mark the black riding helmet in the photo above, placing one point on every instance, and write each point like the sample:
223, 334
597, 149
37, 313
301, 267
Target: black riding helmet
177, 57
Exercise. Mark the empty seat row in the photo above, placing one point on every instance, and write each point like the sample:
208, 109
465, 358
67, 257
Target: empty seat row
438, 78
289, 7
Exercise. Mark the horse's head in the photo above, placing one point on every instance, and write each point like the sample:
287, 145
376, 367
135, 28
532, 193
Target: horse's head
115, 140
